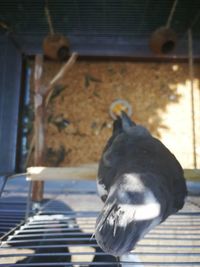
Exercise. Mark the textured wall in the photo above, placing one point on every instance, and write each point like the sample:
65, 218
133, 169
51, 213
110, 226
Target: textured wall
78, 121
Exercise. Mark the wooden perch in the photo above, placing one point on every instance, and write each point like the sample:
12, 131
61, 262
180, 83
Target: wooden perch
37, 187
192, 175
87, 171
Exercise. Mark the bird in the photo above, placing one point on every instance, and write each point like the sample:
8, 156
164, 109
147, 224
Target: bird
140, 182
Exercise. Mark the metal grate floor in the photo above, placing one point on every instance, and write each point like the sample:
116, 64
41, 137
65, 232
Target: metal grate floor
59, 236
11, 215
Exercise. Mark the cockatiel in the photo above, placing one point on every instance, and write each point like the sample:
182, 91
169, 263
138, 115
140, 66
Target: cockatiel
141, 183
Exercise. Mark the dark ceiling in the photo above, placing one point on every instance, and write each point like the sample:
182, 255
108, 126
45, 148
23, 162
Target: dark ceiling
100, 17
100, 20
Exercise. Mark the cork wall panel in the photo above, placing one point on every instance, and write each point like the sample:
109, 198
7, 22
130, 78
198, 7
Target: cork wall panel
78, 121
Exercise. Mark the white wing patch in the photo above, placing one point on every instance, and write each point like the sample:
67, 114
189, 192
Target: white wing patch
130, 258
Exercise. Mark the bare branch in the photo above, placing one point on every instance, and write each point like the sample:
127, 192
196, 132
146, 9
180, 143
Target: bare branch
59, 76
64, 69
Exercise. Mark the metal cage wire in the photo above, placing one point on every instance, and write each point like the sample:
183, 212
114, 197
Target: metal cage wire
59, 236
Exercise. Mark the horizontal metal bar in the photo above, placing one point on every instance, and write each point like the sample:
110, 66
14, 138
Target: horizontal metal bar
49, 210
188, 213
2, 224
188, 227
83, 216
95, 213
66, 232
11, 205
12, 211
56, 226
10, 220
54, 223
91, 229
54, 219
93, 239
50, 240
175, 235
64, 227
46, 219
193, 223
51, 234
64, 264
62, 234
82, 263
181, 219
43, 230
64, 222
59, 225
5, 229
77, 222
176, 230
11, 201
92, 220
19, 218
58, 254
75, 213
71, 192
4, 246
53, 216
157, 246
10, 215
50, 219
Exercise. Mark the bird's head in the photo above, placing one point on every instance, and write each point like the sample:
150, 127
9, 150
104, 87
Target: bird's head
128, 214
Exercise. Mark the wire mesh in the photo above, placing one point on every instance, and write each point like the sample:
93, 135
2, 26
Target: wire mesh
113, 17
59, 236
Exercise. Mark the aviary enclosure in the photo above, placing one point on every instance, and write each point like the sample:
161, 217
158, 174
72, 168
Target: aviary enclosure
64, 65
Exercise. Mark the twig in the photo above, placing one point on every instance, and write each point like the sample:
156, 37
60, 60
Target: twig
59, 76
168, 24
32, 144
64, 69
48, 16
49, 92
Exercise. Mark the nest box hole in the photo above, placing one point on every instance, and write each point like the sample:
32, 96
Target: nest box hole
63, 53
168, 47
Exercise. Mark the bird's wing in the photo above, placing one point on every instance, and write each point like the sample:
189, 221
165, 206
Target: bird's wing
135, 153
104, 168
173, 172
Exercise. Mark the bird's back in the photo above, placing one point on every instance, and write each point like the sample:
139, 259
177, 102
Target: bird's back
141, 182
136, 151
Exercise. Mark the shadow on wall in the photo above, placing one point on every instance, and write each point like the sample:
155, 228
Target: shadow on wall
78, 121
